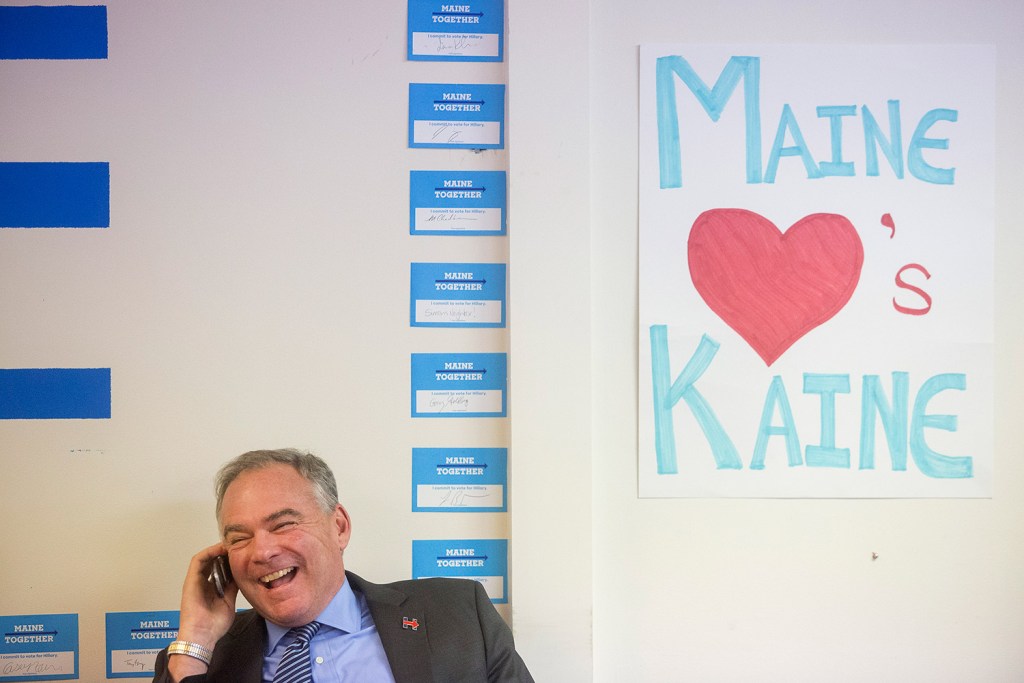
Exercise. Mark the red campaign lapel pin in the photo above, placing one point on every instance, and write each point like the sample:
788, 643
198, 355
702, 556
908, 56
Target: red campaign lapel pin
413, 623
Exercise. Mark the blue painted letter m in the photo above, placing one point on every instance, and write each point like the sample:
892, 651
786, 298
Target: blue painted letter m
713, 100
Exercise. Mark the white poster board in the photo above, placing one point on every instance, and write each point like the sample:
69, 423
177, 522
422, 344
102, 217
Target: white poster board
816, 249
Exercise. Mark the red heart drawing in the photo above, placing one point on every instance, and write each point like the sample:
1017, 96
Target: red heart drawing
773, 288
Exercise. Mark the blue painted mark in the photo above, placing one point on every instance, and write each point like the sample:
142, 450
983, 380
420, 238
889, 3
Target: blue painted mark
54, 393
53, 32
54, 194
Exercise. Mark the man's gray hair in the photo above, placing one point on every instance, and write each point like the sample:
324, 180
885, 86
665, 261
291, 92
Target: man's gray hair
313, 469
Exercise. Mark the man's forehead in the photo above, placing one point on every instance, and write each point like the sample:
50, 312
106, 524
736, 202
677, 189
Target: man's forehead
265, 491
275, 478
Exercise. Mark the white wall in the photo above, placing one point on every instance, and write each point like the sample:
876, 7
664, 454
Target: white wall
550, 337
252, 291
727, 590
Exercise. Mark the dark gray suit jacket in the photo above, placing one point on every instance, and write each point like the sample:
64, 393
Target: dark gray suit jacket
460, 637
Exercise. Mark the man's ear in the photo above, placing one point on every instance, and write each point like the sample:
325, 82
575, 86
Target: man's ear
342, 526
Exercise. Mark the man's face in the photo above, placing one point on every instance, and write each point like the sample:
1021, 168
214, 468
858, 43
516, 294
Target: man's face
285, 552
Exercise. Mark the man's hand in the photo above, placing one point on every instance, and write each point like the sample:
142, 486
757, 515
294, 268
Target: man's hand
205, 617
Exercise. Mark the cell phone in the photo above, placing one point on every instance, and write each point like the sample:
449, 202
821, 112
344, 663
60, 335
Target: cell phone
220, 574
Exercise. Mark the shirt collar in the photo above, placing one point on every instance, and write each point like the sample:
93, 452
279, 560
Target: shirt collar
343, 612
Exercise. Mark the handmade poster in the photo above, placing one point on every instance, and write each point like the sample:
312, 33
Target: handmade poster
135, 638
816, 252
39, 647
457, 295
460, 203
457, 116
459, 384
471, 31
484, 561
459, 479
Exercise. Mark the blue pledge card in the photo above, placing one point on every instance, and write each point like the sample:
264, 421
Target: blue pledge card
459, 384
39, 647
484, 561
459, 479
463, 32
448, 115
135, 638
457, 202
457, 295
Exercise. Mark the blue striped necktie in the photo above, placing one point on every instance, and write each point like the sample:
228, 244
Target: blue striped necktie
295, 666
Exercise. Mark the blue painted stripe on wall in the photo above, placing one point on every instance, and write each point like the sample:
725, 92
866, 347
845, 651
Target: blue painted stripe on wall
55, 393
63, 32
54, 194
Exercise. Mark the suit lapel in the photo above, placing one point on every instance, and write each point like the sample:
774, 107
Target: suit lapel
403, 630
244, 645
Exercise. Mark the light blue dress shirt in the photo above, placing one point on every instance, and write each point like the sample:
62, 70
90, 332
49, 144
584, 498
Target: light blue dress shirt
346, 649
